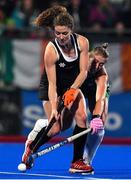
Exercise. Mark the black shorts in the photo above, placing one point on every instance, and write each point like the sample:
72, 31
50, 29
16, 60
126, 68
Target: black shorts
43, 92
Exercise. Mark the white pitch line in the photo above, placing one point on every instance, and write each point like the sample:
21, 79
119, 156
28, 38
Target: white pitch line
43, 175
57, 176
98, 179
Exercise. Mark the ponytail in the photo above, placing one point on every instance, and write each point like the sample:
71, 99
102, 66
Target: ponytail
102, 50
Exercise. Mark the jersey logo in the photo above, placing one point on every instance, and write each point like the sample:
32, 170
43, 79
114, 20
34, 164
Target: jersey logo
62, 65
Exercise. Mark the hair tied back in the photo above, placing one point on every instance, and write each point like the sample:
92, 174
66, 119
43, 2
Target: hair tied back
105, 45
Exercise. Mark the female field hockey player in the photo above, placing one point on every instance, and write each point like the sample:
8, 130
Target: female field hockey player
96, 90
66, 63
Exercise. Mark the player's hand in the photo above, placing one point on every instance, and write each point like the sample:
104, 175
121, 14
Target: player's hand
96, 124
69, 96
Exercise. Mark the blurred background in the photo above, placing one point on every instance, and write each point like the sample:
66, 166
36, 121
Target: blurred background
21, 61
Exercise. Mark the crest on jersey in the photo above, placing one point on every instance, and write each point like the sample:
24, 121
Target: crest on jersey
62, 65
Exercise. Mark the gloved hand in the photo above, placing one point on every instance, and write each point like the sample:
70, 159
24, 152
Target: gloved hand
69, 96
96, 124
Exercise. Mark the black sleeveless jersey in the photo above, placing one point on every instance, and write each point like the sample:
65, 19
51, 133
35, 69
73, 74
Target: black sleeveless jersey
67, 69
89, 85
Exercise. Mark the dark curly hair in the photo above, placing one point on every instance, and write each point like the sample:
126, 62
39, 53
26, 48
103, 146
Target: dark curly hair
56, 15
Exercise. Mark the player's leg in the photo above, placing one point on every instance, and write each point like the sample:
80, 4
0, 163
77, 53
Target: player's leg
63, 123
94, 140
78, 164
34, 142
33, 135
33, 145
92, 144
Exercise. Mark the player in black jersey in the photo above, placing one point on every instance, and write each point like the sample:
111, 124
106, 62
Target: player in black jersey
96, 90
66, 63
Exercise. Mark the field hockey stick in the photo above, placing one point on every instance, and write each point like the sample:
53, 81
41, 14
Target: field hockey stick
51, 123
62, 143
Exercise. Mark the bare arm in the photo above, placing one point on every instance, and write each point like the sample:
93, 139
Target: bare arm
100, 94
50, 60
84, 62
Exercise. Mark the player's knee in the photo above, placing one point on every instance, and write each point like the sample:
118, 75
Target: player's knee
40, 123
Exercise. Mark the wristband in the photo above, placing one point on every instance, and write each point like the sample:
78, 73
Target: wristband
96, 116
